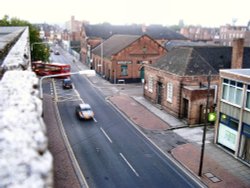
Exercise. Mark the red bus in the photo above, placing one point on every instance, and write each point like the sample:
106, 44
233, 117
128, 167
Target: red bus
44, 69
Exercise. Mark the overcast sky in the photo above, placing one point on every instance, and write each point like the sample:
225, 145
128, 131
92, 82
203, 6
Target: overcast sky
211, 13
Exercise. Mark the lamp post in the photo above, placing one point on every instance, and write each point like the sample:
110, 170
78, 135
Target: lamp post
85, 72
102, 57
205, 126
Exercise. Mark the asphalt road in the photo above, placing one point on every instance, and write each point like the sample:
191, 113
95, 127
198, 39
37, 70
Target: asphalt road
109, 150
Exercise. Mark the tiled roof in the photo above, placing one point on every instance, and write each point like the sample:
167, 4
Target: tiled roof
169, 45
191, 61
114, 44
154, 31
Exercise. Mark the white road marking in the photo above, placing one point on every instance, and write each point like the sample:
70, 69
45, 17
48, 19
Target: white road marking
130, 166
106, 135
95, 120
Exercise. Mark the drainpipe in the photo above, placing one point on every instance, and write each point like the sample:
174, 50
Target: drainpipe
180, 99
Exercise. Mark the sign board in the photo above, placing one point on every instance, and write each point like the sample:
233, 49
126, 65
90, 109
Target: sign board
123, 62
227, 136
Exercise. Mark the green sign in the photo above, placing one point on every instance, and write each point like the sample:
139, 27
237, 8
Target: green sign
212, 116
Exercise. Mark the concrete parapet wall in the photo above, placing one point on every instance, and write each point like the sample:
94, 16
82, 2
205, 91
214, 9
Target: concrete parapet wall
25, 160
24, 157
18, 57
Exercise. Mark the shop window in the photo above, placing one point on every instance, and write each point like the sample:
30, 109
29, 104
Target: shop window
248, 97
233, 123
124, 70
228, 129
229, 121
224, 118
232, 91
244, 152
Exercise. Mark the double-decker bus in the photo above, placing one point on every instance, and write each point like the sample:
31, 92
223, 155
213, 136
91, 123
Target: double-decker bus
44, 69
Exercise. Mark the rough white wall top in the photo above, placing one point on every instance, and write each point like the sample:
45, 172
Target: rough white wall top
18, 57
24, 157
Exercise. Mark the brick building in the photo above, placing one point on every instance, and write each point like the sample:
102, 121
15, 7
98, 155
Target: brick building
197, 33
74, 28
122, 57
228, 33
98, 32
177, 82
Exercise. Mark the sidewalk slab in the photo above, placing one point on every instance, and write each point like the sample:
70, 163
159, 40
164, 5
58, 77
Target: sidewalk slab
213, 174
172, 121
138, 114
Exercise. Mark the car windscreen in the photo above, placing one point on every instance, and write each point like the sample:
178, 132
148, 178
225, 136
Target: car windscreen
85, 109
67, 81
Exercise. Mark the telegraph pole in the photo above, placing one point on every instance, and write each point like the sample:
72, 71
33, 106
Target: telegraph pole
205, 126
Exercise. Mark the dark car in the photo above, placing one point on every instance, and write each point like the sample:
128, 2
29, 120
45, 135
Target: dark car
67, 83
84, 111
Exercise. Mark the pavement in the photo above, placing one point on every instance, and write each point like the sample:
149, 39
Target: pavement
172, 136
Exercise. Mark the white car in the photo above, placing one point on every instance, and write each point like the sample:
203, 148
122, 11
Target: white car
84, 111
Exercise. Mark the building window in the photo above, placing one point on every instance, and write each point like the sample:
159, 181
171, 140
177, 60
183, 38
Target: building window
124, 70
150, 84
244, 152
169, 92
232, 91
228, 129
248, 97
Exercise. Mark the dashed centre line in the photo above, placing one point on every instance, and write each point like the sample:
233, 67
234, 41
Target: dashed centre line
130, 166
106, 135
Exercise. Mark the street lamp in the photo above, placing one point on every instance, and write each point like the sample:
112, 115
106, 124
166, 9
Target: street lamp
85, 72
102, 57
205, 126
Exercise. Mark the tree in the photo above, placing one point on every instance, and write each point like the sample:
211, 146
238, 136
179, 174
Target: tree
39, 52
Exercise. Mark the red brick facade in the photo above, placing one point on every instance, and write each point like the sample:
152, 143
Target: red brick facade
189, 94
127, 64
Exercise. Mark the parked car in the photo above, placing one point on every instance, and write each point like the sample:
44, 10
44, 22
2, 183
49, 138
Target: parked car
84, 111
67, 83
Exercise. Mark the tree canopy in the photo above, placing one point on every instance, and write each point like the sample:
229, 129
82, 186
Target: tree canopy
39, 52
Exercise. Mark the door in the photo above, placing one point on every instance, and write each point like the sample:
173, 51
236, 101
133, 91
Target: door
185, 108
142, 73
159, 92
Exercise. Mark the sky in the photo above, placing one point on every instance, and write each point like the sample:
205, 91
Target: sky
209, 13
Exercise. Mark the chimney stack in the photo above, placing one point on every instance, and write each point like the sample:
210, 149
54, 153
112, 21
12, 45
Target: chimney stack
237, 53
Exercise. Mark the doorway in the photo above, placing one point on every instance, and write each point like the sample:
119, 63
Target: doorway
159, 92
142, 73
185, 108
